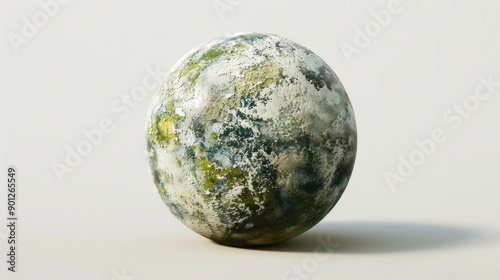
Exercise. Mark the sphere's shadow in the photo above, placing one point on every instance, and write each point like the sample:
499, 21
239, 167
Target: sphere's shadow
378, 237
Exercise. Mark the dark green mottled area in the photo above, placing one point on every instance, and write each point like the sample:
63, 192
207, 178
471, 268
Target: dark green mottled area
281, 209
319, 79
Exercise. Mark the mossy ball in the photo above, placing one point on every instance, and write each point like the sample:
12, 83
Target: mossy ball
250, 139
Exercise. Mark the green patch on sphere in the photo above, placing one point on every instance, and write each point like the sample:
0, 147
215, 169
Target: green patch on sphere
257, 77
193, 68
214, 175
211, 54
239, 45
162, 128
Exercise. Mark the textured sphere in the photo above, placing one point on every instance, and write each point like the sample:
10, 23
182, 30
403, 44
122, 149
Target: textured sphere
251, 139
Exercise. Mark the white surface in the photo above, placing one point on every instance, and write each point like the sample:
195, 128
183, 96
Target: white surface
105, 219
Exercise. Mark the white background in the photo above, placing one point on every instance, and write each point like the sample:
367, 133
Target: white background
104, 220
